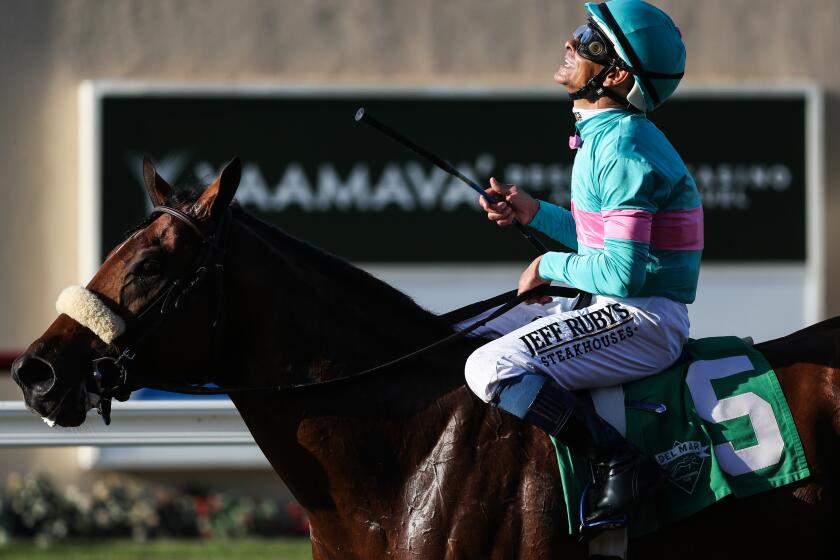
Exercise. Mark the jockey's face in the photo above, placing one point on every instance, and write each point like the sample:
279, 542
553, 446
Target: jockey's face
575, 70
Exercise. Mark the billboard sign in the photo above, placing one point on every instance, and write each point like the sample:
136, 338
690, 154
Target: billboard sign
318, 175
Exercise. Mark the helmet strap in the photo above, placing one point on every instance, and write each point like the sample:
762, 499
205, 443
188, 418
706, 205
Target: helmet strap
595, 89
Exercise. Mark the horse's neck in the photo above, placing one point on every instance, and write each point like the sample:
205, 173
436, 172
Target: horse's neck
390, 461
309, 314
289, 322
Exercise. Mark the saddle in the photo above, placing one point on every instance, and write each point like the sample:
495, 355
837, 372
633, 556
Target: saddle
716, 421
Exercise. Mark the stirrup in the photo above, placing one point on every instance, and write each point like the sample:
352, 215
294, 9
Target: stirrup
590, 530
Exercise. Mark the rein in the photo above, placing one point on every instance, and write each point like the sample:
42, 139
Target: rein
510, 297
111, 377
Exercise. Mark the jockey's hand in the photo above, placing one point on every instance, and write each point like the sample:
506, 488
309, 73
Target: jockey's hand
513, 204
531, 278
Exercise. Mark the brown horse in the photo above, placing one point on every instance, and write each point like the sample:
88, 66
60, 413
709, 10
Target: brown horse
406, 463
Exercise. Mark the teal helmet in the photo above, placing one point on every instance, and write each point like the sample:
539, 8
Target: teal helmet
649, 45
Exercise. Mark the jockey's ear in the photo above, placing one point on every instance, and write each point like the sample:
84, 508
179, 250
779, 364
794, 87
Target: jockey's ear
157, 188
219, 194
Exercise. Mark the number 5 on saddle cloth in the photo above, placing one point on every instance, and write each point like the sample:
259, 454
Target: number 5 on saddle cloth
726, 429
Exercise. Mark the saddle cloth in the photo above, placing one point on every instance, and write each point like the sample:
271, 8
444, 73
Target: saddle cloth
726, 429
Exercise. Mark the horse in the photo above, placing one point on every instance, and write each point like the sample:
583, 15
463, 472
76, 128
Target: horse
406, 462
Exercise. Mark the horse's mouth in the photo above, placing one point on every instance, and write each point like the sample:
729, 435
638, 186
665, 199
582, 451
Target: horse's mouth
71, 410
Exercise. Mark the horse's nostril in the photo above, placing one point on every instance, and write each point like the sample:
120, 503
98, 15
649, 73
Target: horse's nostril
33, 372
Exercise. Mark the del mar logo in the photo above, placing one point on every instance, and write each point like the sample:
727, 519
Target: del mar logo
683, 463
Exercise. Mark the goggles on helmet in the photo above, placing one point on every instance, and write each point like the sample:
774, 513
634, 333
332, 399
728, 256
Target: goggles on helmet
592, 44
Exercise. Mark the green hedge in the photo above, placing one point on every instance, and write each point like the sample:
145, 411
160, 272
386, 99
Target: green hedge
31, 506
276, 548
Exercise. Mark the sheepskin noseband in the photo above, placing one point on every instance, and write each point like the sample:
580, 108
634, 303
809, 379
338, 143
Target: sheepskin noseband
86, 308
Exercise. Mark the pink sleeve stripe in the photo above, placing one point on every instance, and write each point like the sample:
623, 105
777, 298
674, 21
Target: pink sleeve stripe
589, 227
679, 230
634, 225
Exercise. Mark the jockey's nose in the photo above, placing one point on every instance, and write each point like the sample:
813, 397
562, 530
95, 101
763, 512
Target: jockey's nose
33, 374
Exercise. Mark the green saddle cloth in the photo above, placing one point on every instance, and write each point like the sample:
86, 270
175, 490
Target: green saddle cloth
727, 430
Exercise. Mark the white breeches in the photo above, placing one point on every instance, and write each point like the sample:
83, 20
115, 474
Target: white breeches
613, 341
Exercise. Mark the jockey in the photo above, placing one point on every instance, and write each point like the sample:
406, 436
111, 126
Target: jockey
636, 224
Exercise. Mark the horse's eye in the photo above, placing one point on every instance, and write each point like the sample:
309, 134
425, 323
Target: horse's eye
149, 267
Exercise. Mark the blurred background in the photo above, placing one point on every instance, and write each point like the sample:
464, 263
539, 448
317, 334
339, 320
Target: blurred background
90, 86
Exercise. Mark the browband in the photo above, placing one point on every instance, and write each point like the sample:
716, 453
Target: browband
188, 220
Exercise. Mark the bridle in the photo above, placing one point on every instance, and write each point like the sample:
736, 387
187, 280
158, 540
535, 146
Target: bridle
113, 377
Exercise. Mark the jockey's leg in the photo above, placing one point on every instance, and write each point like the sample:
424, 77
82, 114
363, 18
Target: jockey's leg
531, 371
623, 473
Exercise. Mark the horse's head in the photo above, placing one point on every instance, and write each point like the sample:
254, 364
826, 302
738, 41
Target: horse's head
154, 290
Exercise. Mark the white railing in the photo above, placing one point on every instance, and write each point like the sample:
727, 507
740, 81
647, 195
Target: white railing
171, 423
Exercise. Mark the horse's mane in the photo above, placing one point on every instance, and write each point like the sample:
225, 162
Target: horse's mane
340, 284
355, 282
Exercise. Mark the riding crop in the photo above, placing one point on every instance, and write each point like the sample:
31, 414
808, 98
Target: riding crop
363, 116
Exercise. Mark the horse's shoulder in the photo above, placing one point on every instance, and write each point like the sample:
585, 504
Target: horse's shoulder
515, 447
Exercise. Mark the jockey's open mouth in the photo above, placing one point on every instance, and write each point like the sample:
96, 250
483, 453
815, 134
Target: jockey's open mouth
566, 70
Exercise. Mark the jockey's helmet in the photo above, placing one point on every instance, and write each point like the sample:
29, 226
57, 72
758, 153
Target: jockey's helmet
648, 44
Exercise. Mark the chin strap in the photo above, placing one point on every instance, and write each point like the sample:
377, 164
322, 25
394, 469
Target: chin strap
595, 89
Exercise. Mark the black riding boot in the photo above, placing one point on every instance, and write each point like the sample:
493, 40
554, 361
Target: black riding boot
623, 474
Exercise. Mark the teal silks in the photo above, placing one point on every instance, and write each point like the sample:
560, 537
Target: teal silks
636, 221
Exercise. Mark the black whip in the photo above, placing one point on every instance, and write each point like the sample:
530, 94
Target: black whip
364, 116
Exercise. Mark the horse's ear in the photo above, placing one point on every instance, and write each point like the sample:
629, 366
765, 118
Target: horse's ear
158, 189
219, 194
